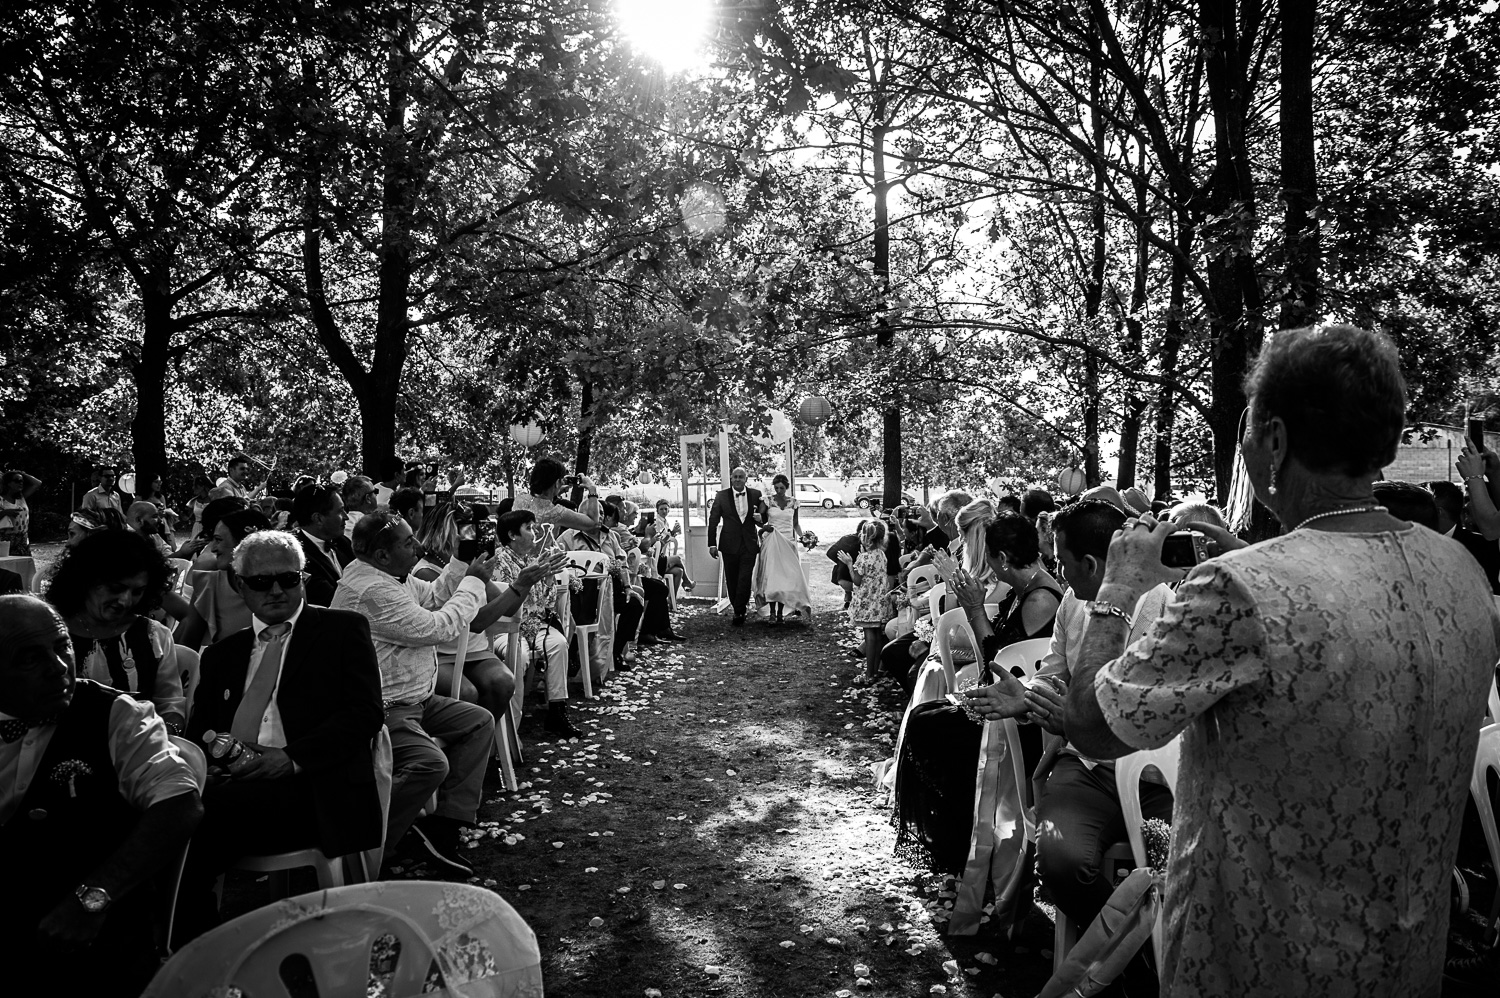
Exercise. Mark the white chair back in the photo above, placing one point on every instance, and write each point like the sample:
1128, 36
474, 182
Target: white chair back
1128, 771
461, 652
589, 562
187, 664
1023, 655
935, 600
1493, 710
923, 576
947, 626
472, 934
180, 569
1486, 761
384, 774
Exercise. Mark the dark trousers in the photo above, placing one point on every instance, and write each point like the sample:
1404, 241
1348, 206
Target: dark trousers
657, 619
241, 818
1078, 819
739, 578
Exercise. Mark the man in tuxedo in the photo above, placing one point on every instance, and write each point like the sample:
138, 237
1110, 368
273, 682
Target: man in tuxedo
95, 802
300, 688
1450, 504
738, 508
318, 511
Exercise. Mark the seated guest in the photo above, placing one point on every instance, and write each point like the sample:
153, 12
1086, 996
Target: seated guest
145, 519
1079, 815
518, 552
1406, 501
487, 680
207, 559
664, 541
656, 620
15, 515
940, 532
1013, 558
95, 802
1188, 513
301, 688
392, 478
105, 588
202, 486
87, 521
408, 503
1328, 684
1035, 502
218, 608
408, 620
318, 512
972, 521
541, 501
360, 498
1450, 506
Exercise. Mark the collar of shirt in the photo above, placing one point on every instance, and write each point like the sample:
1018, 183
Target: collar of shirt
259, 625
1451, 531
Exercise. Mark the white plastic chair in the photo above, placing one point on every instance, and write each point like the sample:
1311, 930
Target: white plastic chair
1486, 761
476, 941
935, 600
1025, 655
922, 575
942, 640
507, 742
180, 569
1128, 771
593, 565
187, 662
1493, 709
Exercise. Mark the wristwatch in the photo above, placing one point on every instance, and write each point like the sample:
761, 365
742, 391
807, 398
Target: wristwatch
1104, 608
93, 899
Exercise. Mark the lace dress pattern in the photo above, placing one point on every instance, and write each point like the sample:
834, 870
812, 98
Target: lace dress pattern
1329, 688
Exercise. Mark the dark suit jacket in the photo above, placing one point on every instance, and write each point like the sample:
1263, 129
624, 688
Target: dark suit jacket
1487, 553
10, 582
322, 576
737, 538
329, 696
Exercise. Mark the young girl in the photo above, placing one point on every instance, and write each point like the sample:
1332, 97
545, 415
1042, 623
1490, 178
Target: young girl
868, 608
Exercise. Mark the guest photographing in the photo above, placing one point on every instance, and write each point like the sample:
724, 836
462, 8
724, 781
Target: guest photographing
1328, 685
15, 514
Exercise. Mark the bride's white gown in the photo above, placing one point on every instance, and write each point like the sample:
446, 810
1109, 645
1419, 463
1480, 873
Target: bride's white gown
778, 570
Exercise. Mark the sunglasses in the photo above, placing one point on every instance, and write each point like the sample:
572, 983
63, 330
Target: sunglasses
263, 583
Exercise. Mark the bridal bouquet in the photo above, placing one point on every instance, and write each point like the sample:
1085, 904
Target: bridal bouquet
808, 539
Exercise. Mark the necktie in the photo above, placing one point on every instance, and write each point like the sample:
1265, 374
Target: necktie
246, 725
15, 728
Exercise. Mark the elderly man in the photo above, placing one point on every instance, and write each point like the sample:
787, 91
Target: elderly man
408, 620
741, 511
359, 499
318, 511
95, 800
301, 688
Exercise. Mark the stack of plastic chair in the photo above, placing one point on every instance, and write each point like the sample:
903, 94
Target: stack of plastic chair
400, 939
1128, 771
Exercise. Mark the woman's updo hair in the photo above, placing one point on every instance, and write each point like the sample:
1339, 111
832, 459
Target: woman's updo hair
781, 480
1339, 391
1012, 535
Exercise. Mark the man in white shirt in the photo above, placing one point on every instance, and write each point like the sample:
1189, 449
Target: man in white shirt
1079, 815
95, 800
300, 688
234, 483
408, 619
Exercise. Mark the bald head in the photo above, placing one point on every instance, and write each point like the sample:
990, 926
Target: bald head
36, 659
738, 477
142, 516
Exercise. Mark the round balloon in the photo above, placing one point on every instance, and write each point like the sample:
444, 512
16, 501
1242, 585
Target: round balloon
645, 477
815, 410
127, 482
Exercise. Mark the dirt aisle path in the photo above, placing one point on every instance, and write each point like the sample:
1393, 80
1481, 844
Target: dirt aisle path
717, 833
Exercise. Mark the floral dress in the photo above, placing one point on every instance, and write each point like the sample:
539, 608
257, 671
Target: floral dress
869, 606
540, 602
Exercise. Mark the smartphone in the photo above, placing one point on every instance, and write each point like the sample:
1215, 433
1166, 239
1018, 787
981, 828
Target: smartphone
1184, 549
648, 518
1476, 432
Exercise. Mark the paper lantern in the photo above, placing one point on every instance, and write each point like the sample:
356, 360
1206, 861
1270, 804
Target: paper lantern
815, 410
1072, 481
127, 482
645, 477
526, 434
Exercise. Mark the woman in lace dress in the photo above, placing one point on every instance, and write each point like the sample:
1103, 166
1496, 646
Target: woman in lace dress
1328, 686
779, 581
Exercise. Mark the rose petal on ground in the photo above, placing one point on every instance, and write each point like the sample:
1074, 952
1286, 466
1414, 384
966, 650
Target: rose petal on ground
595, 922
558, 845
657, 885
787, 944
860, 970
712, 971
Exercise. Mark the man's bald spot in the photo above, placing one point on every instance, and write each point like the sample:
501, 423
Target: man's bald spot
139, 508
739, 471
26, 619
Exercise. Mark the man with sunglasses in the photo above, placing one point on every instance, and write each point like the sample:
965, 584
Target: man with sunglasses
301, 689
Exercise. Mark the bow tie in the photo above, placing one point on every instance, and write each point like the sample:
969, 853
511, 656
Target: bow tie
738, 494
15, 728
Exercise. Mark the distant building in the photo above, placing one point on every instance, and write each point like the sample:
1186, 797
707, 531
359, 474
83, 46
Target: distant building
1429, 452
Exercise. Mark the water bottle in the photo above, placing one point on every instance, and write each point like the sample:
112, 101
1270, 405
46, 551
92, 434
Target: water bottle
223, 748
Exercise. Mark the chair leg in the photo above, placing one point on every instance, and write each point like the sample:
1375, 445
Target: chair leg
584, 669
504, 735
1063, 939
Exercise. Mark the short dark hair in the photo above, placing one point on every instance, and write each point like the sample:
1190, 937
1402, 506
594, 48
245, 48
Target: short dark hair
238, 459
1034, 502
313, 500
1013, 535
546, 473
217, 509
1339, 391
244, 522
369, 529
106, 556
1449, 497
1087, 526
406, 499
1010, 502
391, 467
508, 525
1406, 501
203, 482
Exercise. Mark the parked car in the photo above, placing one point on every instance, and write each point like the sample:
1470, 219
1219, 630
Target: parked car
809, 494
875, 492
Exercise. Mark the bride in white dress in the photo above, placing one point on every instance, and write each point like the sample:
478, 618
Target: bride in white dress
779, 581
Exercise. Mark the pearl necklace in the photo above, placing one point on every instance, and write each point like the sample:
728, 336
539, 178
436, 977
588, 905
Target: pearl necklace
1340, 512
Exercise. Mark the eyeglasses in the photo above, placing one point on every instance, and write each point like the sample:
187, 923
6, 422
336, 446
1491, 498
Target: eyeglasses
263, 583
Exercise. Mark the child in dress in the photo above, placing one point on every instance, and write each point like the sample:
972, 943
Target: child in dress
869, 608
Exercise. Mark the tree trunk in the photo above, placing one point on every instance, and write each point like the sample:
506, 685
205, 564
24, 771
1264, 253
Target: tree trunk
1093, 294
886, 336
585, 436
1299, 167
1135, 405
1171, 346
148, 428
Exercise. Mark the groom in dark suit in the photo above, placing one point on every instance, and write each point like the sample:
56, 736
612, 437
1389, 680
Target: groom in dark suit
318, 511
301, 685
738, 508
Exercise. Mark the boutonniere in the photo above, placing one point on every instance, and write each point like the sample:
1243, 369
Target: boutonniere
70, 770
